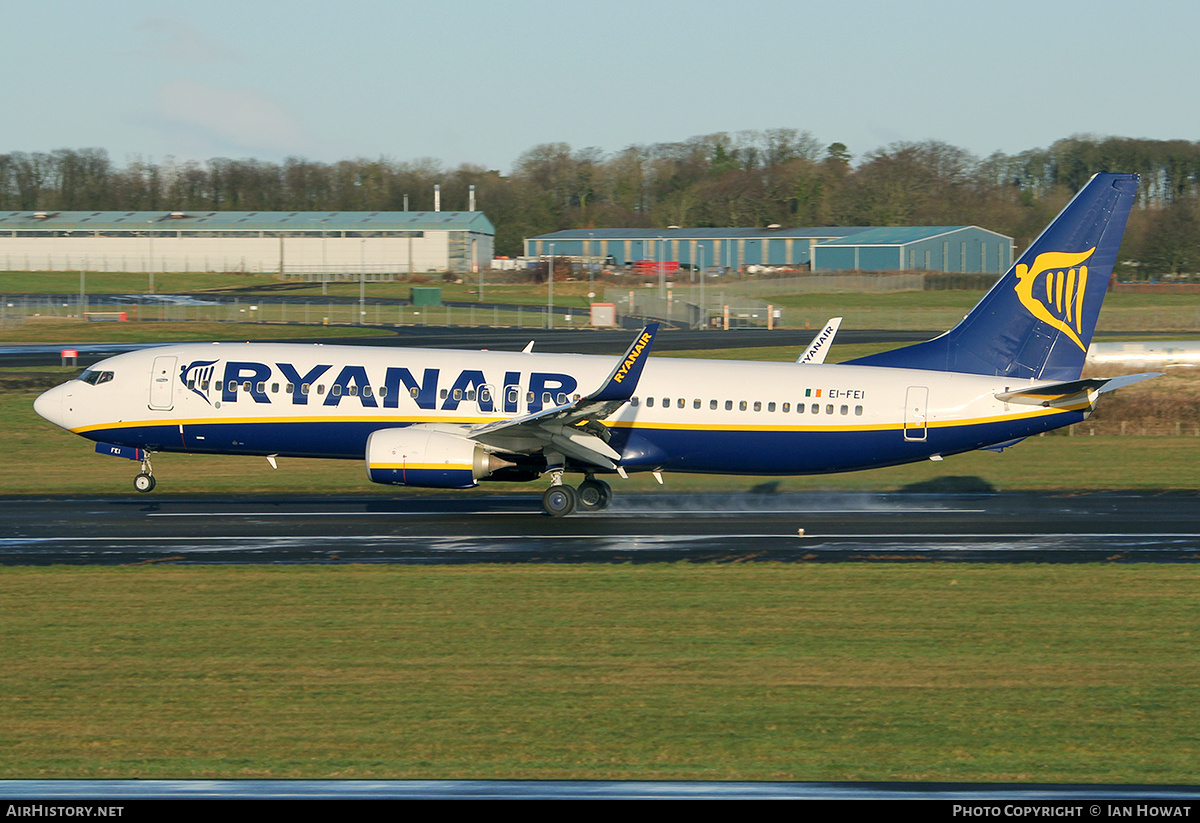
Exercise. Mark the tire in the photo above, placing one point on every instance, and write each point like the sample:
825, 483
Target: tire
144, 483
559, 501
594, 495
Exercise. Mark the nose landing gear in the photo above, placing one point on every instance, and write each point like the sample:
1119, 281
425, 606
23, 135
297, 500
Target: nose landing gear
144, 482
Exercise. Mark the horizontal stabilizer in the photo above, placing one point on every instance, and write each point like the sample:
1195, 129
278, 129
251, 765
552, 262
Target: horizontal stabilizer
1072, 391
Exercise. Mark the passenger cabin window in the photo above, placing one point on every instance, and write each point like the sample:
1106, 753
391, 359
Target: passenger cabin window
712, 404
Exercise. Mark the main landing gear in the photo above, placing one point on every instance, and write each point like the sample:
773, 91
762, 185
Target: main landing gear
561, 499
144, 482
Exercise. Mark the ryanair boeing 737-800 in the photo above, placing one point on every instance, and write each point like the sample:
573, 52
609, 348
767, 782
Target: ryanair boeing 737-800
449, 419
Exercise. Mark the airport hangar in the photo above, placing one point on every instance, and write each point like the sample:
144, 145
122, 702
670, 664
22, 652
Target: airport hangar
293, 243
967, 249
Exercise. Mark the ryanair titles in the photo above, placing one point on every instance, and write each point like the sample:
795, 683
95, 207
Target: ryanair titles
320, 384
635, 353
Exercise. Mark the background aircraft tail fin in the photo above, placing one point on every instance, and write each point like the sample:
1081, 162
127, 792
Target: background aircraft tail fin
1038, 320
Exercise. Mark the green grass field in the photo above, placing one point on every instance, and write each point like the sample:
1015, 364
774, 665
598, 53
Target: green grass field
942, 672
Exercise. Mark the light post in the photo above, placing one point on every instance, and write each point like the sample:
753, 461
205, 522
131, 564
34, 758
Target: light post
662, 273
324, 259
150, 237
550, 299
591, 267
362, 282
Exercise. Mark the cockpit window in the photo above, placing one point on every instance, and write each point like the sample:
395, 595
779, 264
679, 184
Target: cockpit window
95, 378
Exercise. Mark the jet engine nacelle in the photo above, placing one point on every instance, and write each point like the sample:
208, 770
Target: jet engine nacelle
417, 456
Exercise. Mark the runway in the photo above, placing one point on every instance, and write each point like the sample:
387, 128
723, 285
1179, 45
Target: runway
824, 527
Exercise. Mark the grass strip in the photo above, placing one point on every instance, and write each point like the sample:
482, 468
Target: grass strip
1081, 673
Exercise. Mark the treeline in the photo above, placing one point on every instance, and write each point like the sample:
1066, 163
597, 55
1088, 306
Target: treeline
754, 178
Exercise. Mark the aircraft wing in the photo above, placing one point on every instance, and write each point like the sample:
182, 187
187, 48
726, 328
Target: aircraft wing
575, 429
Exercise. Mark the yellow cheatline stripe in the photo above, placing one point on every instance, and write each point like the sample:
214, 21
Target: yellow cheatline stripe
422, 467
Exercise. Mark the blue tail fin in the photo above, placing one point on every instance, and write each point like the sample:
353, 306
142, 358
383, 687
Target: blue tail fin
1037, 321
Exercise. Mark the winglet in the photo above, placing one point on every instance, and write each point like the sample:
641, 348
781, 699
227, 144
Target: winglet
819, 347
623, 379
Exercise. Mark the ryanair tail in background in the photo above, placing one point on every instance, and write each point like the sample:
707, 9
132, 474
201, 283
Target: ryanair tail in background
1038, 320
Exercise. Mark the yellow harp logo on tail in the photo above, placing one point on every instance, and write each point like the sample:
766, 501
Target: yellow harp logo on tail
1058, 298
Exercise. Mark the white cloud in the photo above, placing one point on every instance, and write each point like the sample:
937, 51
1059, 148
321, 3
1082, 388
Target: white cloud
231, 120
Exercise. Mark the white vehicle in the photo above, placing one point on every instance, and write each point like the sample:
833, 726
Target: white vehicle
450, 419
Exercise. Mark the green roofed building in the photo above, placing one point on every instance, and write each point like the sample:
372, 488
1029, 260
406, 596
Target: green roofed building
302, 242
731, 248
842, 248
921, 248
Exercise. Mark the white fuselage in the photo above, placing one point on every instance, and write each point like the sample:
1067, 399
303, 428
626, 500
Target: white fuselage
714, 416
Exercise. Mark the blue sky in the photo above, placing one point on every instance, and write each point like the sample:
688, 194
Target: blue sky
481, 82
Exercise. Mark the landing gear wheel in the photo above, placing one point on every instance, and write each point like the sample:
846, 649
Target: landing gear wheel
559, 501
144, 482
594, 495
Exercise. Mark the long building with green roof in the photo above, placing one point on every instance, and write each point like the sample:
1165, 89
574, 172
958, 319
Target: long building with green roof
830, 248
237, 241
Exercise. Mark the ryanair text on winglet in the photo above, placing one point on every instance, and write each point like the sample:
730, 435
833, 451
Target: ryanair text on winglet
634, 354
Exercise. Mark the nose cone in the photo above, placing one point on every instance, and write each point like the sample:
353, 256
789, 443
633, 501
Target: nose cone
50, 405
